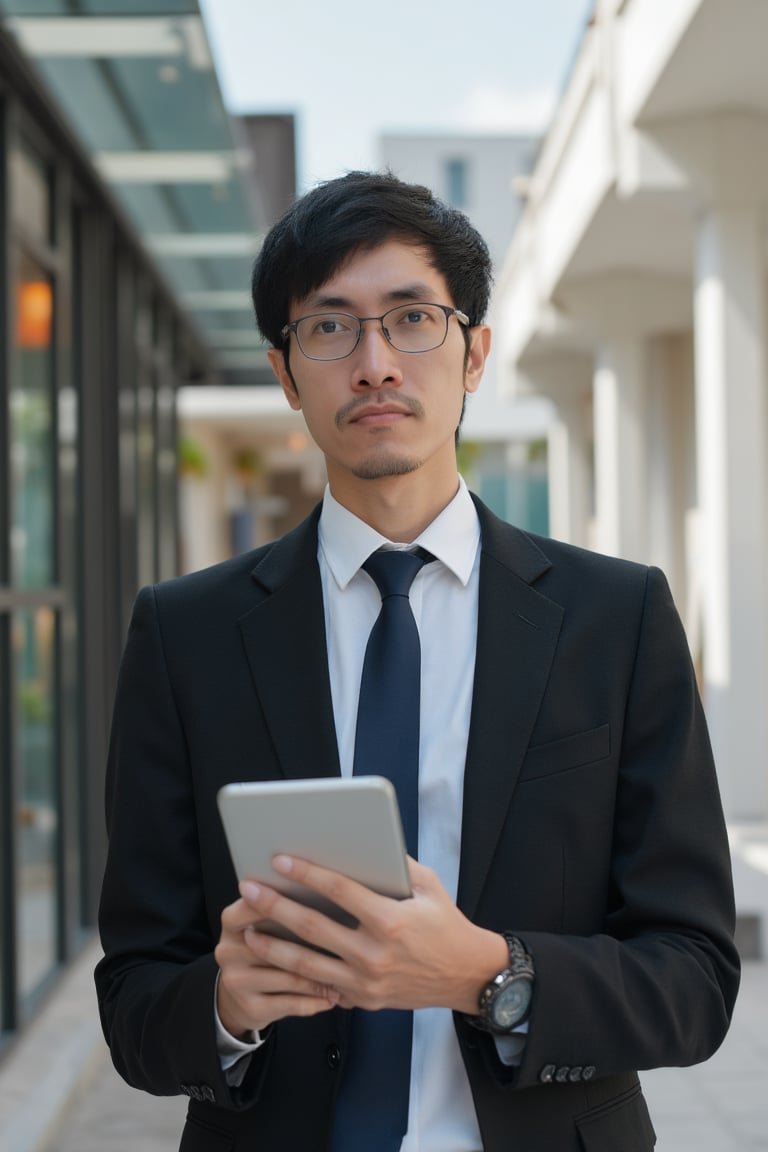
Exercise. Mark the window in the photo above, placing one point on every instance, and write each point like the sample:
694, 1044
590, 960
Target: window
456, 172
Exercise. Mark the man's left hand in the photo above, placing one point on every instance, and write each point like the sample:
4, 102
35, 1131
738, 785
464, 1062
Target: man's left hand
415, 953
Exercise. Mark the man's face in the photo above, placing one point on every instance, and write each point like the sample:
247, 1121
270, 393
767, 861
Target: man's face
380, 412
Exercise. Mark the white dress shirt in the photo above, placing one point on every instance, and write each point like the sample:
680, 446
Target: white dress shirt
444, 598
441, 1116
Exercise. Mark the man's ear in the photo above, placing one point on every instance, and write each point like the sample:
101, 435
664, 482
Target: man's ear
279, 366
479, 347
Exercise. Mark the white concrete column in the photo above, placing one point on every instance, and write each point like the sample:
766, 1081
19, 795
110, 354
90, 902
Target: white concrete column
730, 358
622, 312
570, 471
620, 434
564, 376
671, 472
203, 529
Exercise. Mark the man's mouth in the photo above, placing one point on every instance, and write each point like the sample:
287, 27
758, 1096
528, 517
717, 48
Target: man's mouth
391, 410
379, 414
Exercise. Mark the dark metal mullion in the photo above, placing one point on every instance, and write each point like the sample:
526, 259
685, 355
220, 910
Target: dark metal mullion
8, 932
61, 902
160, 381
6, 134
99, 485
64, 769
81, 811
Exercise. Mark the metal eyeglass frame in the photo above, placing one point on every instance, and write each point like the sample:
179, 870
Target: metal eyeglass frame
445, 308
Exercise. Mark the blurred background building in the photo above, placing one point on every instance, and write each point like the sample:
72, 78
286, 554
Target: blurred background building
141, 435
633, 296
131, 207
502, 453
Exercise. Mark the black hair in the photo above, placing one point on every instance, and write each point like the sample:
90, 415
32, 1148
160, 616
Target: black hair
356, 213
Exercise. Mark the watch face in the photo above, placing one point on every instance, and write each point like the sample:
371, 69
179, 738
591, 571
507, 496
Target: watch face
511, 1003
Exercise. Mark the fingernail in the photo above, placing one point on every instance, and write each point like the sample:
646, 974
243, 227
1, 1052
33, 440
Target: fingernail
250, 890
282, 863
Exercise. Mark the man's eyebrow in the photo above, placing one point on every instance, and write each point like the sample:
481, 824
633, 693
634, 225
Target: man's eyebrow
416, 291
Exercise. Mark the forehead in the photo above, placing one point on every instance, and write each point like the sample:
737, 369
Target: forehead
392, 272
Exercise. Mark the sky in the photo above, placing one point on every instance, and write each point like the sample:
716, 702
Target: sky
350, 71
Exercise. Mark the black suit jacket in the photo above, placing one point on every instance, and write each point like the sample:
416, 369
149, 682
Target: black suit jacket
592, 828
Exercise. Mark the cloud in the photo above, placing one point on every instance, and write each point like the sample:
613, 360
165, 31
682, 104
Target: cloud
495, 108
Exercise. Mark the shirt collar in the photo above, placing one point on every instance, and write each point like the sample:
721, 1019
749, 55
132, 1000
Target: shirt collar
347, 541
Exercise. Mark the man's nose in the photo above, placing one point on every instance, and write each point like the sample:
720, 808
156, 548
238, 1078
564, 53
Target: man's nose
375, 361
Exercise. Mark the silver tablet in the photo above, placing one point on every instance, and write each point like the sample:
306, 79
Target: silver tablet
350, 825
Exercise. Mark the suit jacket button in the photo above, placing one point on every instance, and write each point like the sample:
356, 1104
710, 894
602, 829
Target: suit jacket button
588, 1072
333, 1056
575, 1073
547, 1074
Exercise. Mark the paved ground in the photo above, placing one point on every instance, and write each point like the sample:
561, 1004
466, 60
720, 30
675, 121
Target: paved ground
58, 1092
720, 1106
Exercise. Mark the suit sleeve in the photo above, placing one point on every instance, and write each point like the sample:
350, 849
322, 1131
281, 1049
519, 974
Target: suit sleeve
156, 982
656, 986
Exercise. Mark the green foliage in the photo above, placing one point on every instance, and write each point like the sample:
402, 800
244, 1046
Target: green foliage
468, 454
192, 460
248, 463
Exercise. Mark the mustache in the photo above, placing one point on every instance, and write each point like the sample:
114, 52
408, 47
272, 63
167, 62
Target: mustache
347, 411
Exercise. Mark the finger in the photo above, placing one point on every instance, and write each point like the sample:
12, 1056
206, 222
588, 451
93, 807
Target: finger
319, 968
268, 1009
260, 979
350, 895
236, 917
422, 878
257, 1011
302, 922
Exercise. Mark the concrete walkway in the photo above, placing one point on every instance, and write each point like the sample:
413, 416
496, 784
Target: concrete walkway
58, 1092
720, 1106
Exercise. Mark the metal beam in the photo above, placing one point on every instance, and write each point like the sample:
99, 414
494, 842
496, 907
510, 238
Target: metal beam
169, 167
196, 244
218, 301
114, 36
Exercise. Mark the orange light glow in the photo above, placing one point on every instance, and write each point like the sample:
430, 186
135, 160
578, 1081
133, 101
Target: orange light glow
34, 314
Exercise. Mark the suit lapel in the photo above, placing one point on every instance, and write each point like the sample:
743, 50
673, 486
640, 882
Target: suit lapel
285, 643
284, 637
517, 635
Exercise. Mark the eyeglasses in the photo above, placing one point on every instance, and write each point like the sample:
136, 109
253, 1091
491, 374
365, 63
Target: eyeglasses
408, 328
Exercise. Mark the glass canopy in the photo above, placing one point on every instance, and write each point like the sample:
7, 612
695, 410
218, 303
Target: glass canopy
136, 82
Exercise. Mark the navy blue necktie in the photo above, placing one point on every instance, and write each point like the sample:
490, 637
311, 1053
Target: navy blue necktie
372, 1106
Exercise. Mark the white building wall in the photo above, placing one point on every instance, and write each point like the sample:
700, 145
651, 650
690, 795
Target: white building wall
495, 167
495, 171
644, 239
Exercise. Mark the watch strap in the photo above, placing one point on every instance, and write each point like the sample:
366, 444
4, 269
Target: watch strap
520, 965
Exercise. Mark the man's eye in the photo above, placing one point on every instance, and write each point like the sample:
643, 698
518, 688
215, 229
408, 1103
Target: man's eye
328, 327
414, 316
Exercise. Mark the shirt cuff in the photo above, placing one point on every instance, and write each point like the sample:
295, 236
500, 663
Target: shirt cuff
509, 1049
231, 1050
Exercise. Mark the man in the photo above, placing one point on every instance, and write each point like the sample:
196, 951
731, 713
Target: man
572, 909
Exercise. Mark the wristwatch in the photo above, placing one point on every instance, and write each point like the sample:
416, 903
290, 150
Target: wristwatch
505, 1001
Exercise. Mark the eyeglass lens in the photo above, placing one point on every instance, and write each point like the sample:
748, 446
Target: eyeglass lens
408, 328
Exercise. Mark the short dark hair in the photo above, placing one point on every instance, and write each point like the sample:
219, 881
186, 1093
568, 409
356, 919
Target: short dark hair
356, 213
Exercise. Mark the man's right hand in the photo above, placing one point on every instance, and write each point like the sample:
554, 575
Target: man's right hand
251, 996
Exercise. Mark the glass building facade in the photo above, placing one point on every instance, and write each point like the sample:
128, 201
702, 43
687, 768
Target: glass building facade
93, 350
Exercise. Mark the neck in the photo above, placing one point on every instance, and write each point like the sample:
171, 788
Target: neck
399, 507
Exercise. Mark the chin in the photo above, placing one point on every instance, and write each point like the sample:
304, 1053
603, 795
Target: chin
377, 469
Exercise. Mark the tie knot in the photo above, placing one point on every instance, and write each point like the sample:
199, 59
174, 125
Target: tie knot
394, 571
